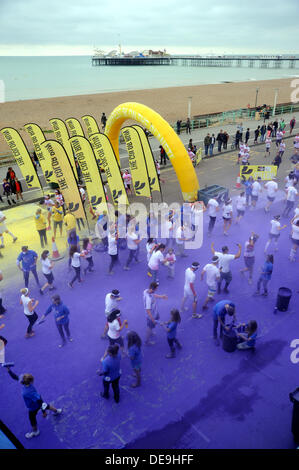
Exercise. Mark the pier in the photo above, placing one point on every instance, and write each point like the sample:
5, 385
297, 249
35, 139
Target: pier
276, 62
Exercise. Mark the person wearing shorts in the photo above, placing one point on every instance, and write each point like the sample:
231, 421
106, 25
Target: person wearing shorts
274, 233
241, 204
224, 265
272, 188
255, 190
290, 201
249, 256
47, 267
189, 289
213, 277
268, 145
152, 315
227, 215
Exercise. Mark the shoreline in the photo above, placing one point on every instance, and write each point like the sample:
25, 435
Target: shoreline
170, 102
129, 90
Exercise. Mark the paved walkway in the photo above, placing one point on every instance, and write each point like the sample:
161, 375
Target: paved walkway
197, 136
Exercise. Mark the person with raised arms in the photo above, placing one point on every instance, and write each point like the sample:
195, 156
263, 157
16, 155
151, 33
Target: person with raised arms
274, 232
224, 265
33, 401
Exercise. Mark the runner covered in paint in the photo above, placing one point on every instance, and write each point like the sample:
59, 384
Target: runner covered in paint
213, 277
189, 289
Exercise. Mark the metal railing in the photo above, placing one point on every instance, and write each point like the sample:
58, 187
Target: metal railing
204, 121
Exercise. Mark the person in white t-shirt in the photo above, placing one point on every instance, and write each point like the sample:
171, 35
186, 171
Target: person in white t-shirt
255, 190
156, 258
296, 214
47, 267
289, 180
268, 145
189, 289
111, 303
112, 248
240, 205
224, 265
213, 277
249, 255
75, 256
274, 232
213, 208
132, 244
282, 148
295, 239
115, 327
292, 193
152, 315
181, 237
49, 203
151, 244
272, 188
227, 215
29, 306
4, 229
127, 181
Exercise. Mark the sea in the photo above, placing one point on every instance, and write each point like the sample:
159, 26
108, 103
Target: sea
24, 78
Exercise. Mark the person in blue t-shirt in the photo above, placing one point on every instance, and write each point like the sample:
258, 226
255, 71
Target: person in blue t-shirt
111, 371
221, 309
248, 189
28, 258
33, 401
265, 275
61, 314
247, 334
171, 327
134, 353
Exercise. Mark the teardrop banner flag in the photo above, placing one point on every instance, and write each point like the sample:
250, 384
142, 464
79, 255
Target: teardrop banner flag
22, 157
65, 177
74, 127
62, 136
150, 161
90, 172
37, 137
107, 160
91, 125
137, 162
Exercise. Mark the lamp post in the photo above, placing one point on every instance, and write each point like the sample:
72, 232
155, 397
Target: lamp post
257, 92
275, 101
189, 106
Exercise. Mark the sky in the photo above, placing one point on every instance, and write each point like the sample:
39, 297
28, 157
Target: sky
76, 27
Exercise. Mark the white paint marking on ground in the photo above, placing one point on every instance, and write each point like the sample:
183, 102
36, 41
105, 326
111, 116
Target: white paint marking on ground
198, 431
119, 437
128, 390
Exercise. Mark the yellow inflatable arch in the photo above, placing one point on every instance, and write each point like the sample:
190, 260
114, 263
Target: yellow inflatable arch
172, 144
